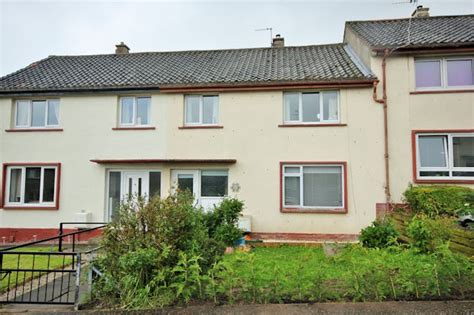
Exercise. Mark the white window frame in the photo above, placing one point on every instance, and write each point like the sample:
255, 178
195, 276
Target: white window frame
200, 183
443, 73
22, 203
201, 97
321, 109
134, 115
449, 156
300, 175
30, 115
108, 210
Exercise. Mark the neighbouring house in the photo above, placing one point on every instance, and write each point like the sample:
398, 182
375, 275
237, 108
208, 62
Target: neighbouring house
315, 139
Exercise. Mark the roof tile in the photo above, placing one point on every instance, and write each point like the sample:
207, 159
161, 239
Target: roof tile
437, 31
187, 68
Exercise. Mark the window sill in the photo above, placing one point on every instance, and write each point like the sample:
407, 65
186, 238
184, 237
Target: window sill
29, 208
301, 210
444, 181
311, 125
201, 127
442, 91
134, 128
34, 130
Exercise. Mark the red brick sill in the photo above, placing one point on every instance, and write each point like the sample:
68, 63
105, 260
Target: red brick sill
134, 128
442, 91
200, 127
316, 211
28, 208
311, 125
34, 130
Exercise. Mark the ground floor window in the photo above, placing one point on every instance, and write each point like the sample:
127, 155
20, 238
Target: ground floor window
31, 185
444, 156
209, 187
318, 186
129, 184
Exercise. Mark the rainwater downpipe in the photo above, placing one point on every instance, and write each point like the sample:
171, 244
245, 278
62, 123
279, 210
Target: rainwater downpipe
383, 101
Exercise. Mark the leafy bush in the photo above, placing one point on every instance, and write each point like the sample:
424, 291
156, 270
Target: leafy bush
440, 200
222, 222
426, 234
380, 234
159, 252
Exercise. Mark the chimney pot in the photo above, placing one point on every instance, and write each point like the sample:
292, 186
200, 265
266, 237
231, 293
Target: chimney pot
121, 49
278, 41
420, 11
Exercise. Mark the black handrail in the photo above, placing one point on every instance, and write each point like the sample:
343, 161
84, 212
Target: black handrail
60, 236
61, 224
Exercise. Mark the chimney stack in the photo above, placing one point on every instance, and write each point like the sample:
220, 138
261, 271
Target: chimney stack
278, 41
421, 12
121, 49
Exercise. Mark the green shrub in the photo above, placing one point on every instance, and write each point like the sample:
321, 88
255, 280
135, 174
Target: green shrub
440, 200
426, 234
159, 252
380, 234
222, 222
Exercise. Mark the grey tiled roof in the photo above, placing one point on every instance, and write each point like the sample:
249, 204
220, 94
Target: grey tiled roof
437, 31
188, 68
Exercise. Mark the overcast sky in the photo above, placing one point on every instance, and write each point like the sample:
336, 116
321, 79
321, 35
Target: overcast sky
33, 30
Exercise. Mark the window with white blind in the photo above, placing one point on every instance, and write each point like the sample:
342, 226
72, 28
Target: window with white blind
318, 186
445, 156
36, 113
201, 110
311, 107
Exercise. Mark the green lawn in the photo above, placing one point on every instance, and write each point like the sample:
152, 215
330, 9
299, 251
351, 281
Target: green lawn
26, 261
297, 273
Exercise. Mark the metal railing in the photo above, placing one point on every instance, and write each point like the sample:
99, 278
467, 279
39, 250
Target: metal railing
38, 275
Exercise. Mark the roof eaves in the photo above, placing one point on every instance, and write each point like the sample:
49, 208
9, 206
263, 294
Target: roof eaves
428, 48
355, 82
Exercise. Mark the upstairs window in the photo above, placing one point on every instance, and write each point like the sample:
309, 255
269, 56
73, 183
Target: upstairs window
135, 111
311, 107
201, 110
36, 113
439, 73
445, 156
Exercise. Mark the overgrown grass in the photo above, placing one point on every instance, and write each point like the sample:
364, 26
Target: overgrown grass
302, 274
26, 261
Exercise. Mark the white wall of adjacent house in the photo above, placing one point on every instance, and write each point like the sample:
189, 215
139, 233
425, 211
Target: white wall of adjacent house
445, 110
250, 134
451, 109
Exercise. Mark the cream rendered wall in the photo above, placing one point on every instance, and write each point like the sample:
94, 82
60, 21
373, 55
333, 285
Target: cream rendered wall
88, 134
407, 112
250, 135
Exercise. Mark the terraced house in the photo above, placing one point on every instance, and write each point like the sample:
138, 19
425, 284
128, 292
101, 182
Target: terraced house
315, 139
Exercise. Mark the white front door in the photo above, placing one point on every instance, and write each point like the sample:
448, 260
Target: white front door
186, 180
134, 184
